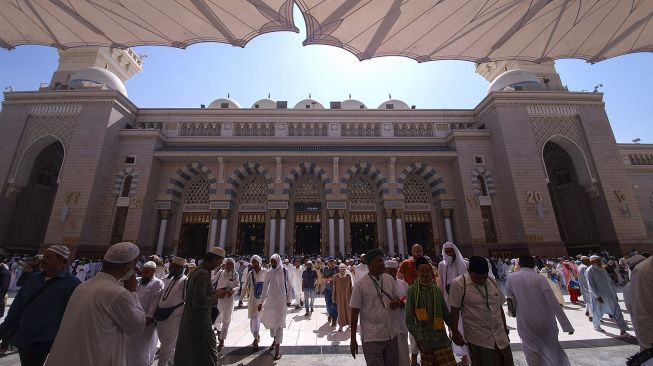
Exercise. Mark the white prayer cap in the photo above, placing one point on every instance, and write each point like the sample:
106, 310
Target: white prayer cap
286, 261
594, 257
124, 252
342, 266
584, 258
149, 264
309, 262
192, 265
179, 261
391, 264
634, 260
257, 258
218, 251
61, 250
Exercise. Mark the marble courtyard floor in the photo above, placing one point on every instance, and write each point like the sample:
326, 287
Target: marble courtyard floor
311, 341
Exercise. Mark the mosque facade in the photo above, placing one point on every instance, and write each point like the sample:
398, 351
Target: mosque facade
532, 168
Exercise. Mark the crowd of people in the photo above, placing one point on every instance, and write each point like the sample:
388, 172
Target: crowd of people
434, 311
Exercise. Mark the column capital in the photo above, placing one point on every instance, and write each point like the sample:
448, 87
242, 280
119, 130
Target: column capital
282, 214
446, 212
215, 214
165, 214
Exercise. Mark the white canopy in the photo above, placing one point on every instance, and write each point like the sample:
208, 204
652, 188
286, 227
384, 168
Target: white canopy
474, 30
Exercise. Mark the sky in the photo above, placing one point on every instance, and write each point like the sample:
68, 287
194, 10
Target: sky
278, 64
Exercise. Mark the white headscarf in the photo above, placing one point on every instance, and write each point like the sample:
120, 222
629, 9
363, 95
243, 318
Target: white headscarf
460, 260
276, 277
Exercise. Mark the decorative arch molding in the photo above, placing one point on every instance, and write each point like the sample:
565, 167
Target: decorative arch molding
578, 157
240, 174
28, 154
369, 170
489, 181
179, 180
117, 183
307, 168
431, 177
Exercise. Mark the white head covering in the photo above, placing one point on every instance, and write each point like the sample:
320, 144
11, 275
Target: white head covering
120, 253
594, 257
61, 250
309, 262
179, 261
257, 258
391, 264
149, 264
460, 260
218, 251
342, 266
584, 258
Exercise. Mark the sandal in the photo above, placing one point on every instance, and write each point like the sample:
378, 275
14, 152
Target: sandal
277, 356
271, 348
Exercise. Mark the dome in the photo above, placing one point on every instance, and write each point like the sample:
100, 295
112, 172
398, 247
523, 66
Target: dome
265, 103
98, 76
515, 80
224, 103
309, 104
393, 104
352, 104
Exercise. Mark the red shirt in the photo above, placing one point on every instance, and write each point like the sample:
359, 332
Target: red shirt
409, 270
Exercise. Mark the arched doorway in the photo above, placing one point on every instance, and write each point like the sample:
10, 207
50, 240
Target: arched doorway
252, 199
31, 214
194, 234
362, 218
571, 202
308, 195
419, 229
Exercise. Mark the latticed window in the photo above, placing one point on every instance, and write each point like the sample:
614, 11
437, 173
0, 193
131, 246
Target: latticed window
126, 186
482, 185
308, 189
415, 191
198, 191
254, 190
361, 190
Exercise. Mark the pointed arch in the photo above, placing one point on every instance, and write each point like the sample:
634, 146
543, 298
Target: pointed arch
578, 157
430, 176
489, 181
240, 174
24, 166
307, 168
183, 176
369, 170
120, 178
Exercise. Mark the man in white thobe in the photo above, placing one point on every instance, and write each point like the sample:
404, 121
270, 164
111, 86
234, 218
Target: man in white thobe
584, 288
604, 296
360, 270
141, 347
228, 280
173, 299
399, 314
452, 266
275, 300
254, 280
537, 310
639, 300
101, 314
295, 273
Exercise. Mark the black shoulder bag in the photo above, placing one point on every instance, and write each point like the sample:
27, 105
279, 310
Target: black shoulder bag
161, 314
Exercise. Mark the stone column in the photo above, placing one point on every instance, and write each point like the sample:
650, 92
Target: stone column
388, 224
213, 229
273, 232
332, 234
163, 226
282, 233
446, 213
400, 234
341, 234
223, 229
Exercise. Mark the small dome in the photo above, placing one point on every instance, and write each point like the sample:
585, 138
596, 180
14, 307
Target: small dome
97, 75
394, 104
517, 79
224, 103
352, 104
265, 103
309, 104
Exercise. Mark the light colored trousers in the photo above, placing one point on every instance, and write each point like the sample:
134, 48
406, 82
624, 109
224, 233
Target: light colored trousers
167, 331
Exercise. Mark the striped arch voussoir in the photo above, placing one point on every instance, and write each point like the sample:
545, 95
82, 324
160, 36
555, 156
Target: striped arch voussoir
489, 181
431, 177
240, 174
183, 176
368, 170
117, 182
307, 168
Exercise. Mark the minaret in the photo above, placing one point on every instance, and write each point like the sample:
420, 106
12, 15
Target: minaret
124, 63
546, 71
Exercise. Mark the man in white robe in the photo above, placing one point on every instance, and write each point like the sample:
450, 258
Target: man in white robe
452, 266
101, 313
141, 347
584, 287
604, 296
399, 314
640, 299
275, 301
295, 274
228, 280
537, 310
173, 299
360, 270
254, 280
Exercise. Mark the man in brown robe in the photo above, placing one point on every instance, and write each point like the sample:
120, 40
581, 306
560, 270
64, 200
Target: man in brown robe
342, 288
